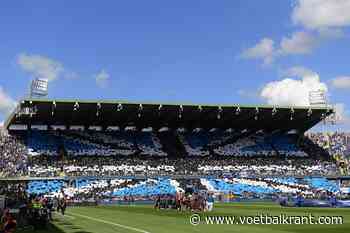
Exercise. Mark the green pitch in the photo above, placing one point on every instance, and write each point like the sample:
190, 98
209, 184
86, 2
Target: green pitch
144, 219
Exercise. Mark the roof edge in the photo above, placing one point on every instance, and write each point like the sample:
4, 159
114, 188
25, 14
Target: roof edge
175, 104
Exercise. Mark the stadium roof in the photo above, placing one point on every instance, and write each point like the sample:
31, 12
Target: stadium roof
107, 113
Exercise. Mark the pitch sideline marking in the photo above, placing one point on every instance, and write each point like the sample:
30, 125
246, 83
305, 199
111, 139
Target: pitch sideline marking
63, 216
67, 216
110, 223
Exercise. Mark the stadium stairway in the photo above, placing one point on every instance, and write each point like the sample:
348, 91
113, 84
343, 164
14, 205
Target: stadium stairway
231, 140
171, 144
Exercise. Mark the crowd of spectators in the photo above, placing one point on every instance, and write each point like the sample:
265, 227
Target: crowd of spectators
24, 210
311, 187
261, 166
335, 143
42, 154
35, 201
146, 189
13, 156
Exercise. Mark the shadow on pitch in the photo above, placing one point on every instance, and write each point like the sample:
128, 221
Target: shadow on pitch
51, 228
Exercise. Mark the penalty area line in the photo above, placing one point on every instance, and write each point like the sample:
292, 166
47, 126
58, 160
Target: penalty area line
110, 223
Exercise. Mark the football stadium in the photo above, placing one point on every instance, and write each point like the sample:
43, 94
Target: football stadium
111, 166
175, 116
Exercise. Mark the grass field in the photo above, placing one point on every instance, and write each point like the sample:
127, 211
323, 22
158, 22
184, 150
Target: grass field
134, 219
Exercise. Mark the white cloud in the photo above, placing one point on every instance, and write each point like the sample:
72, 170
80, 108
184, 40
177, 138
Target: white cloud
40, 66
341, 82
7, 104
299, 43
320, 14
102, 79
320, 20
263, 50
291, 90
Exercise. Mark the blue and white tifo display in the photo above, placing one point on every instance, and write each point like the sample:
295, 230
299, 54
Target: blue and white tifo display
289, 191
108, 151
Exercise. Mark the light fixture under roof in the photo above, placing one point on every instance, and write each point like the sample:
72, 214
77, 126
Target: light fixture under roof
292, 114
256, 115
76, 106
309, 112
238, 110
181, 109
98, 108
219, 113
119, 107
274, 111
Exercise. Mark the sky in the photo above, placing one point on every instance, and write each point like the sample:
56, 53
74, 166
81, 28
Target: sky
214, 52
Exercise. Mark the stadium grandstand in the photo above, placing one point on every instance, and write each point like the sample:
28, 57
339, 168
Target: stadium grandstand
103, 152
